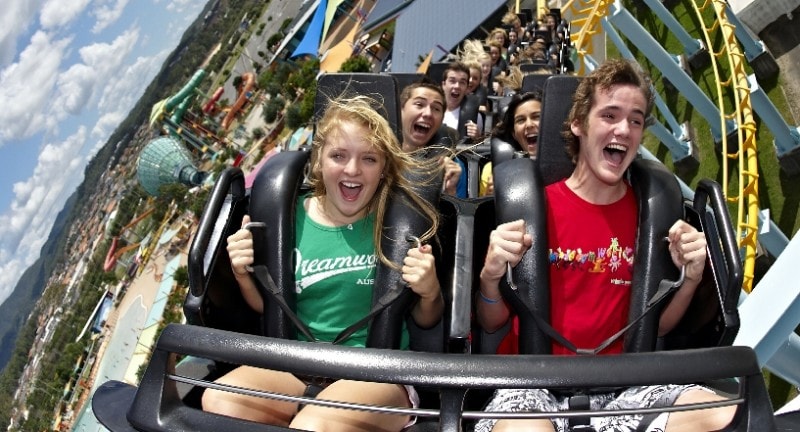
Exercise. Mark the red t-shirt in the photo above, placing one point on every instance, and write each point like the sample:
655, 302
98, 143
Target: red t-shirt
591, 267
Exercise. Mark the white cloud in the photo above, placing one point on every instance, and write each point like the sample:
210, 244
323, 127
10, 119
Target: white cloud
14, 20
37, 202
26, 86
10, 272
57, 13
74, 89
179, 6
102, 62
43, 97
123, 92
107, 14
106, 125
106, 56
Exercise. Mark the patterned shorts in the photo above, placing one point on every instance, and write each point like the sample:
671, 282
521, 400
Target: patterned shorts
533, 400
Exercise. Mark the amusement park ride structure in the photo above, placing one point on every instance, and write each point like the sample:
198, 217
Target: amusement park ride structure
174, 116
115, 253
165, 158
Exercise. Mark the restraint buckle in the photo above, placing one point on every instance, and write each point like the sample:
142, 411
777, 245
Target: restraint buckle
580, 402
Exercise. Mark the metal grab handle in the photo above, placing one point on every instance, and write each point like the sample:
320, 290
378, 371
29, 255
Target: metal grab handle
681, 278
510, 277
414, 239
249, 226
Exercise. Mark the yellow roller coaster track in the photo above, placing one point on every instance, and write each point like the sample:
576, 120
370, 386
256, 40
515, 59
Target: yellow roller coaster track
746, 195
587, 15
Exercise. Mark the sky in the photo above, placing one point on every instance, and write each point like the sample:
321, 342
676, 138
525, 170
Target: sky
70, 71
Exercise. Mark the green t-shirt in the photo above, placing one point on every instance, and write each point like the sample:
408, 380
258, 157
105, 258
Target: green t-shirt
334, 274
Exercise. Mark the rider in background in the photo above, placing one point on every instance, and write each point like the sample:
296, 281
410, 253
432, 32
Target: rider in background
519, 127
422, 106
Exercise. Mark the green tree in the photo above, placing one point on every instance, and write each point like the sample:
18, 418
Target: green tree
283, 72
170, 193
181, 276
293, 117
265, 79
258, 133
272, 108
199, 203
304, 77
356, 64
274, 40
307, 104
273, 89
285, 24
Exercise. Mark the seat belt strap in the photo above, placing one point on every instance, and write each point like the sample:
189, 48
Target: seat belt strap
386, 299
264, 279
665, 288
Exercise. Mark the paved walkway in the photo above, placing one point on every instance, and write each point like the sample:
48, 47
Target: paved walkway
129, 330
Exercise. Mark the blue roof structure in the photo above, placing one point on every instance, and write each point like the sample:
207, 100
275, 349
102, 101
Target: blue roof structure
383, 11
309, 45
438, 25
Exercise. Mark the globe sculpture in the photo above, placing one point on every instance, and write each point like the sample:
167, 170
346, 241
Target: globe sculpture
164, 160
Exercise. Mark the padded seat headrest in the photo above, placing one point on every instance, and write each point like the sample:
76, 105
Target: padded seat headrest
380, 87
552, 158
470, 106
